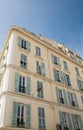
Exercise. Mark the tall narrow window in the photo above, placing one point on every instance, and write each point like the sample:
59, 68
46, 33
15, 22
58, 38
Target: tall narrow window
40, 68
61, 96
41, 118
68, 80
77, 71
22, 84
23, 61
72, 99
20, 116
55, 60
65, 65
64, 121
40, 89
38, 51
23, 44
80, 84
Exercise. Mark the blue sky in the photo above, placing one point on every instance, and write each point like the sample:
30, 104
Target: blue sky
61, 20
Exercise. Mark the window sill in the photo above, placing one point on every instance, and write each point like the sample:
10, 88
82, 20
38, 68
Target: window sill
67, 71
24, 50
78, 77
57, 66
39, 57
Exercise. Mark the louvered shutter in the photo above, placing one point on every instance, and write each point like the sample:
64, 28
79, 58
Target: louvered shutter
19, 41
62, 77
73, 120
80, 122
57, 94
43, 69
28, 116
17, 77
14, 114
58, 61
37, 67
55, 74
52, 58
65, 97
61, 120
69, 121
69, 97
28, 85
76, 101
28, 46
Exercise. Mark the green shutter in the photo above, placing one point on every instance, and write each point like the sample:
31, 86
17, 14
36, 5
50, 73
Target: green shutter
61, 120
82, 98
65, 97
28, 87
57, 94
76, 101
58, 61
62, 77
65, 79
14, 115
52, 58
78, 83
17, 82
73, 120
37, 67
28, 46
19, 41
43, 69
55, 74
80, 122
28, 116
69, 97
69, 121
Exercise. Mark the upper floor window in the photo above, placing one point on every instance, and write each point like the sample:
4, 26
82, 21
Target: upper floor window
80, 84
22, 84
23, 61
40, 68
61, 96
38, 51
65, 65
73, 99
77, 71
55, 60
21, 116
40, 89
41, 118
67, 79
24, 44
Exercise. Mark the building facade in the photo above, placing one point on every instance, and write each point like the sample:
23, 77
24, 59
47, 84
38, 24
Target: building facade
41, 84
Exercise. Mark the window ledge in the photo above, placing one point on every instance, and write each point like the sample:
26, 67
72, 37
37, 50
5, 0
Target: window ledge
24, 50
57, 66
66, 70
39, 57
79, 77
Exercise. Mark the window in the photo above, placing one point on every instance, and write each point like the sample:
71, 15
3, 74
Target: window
21, 116
80, 84
57, 75
77, 71
22, 84
73, 99
23, 61
65, 120
40, 68
40, 89
65, 65
67, 78
24, 44
55, 60
41, 118
38, 51
61, 95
